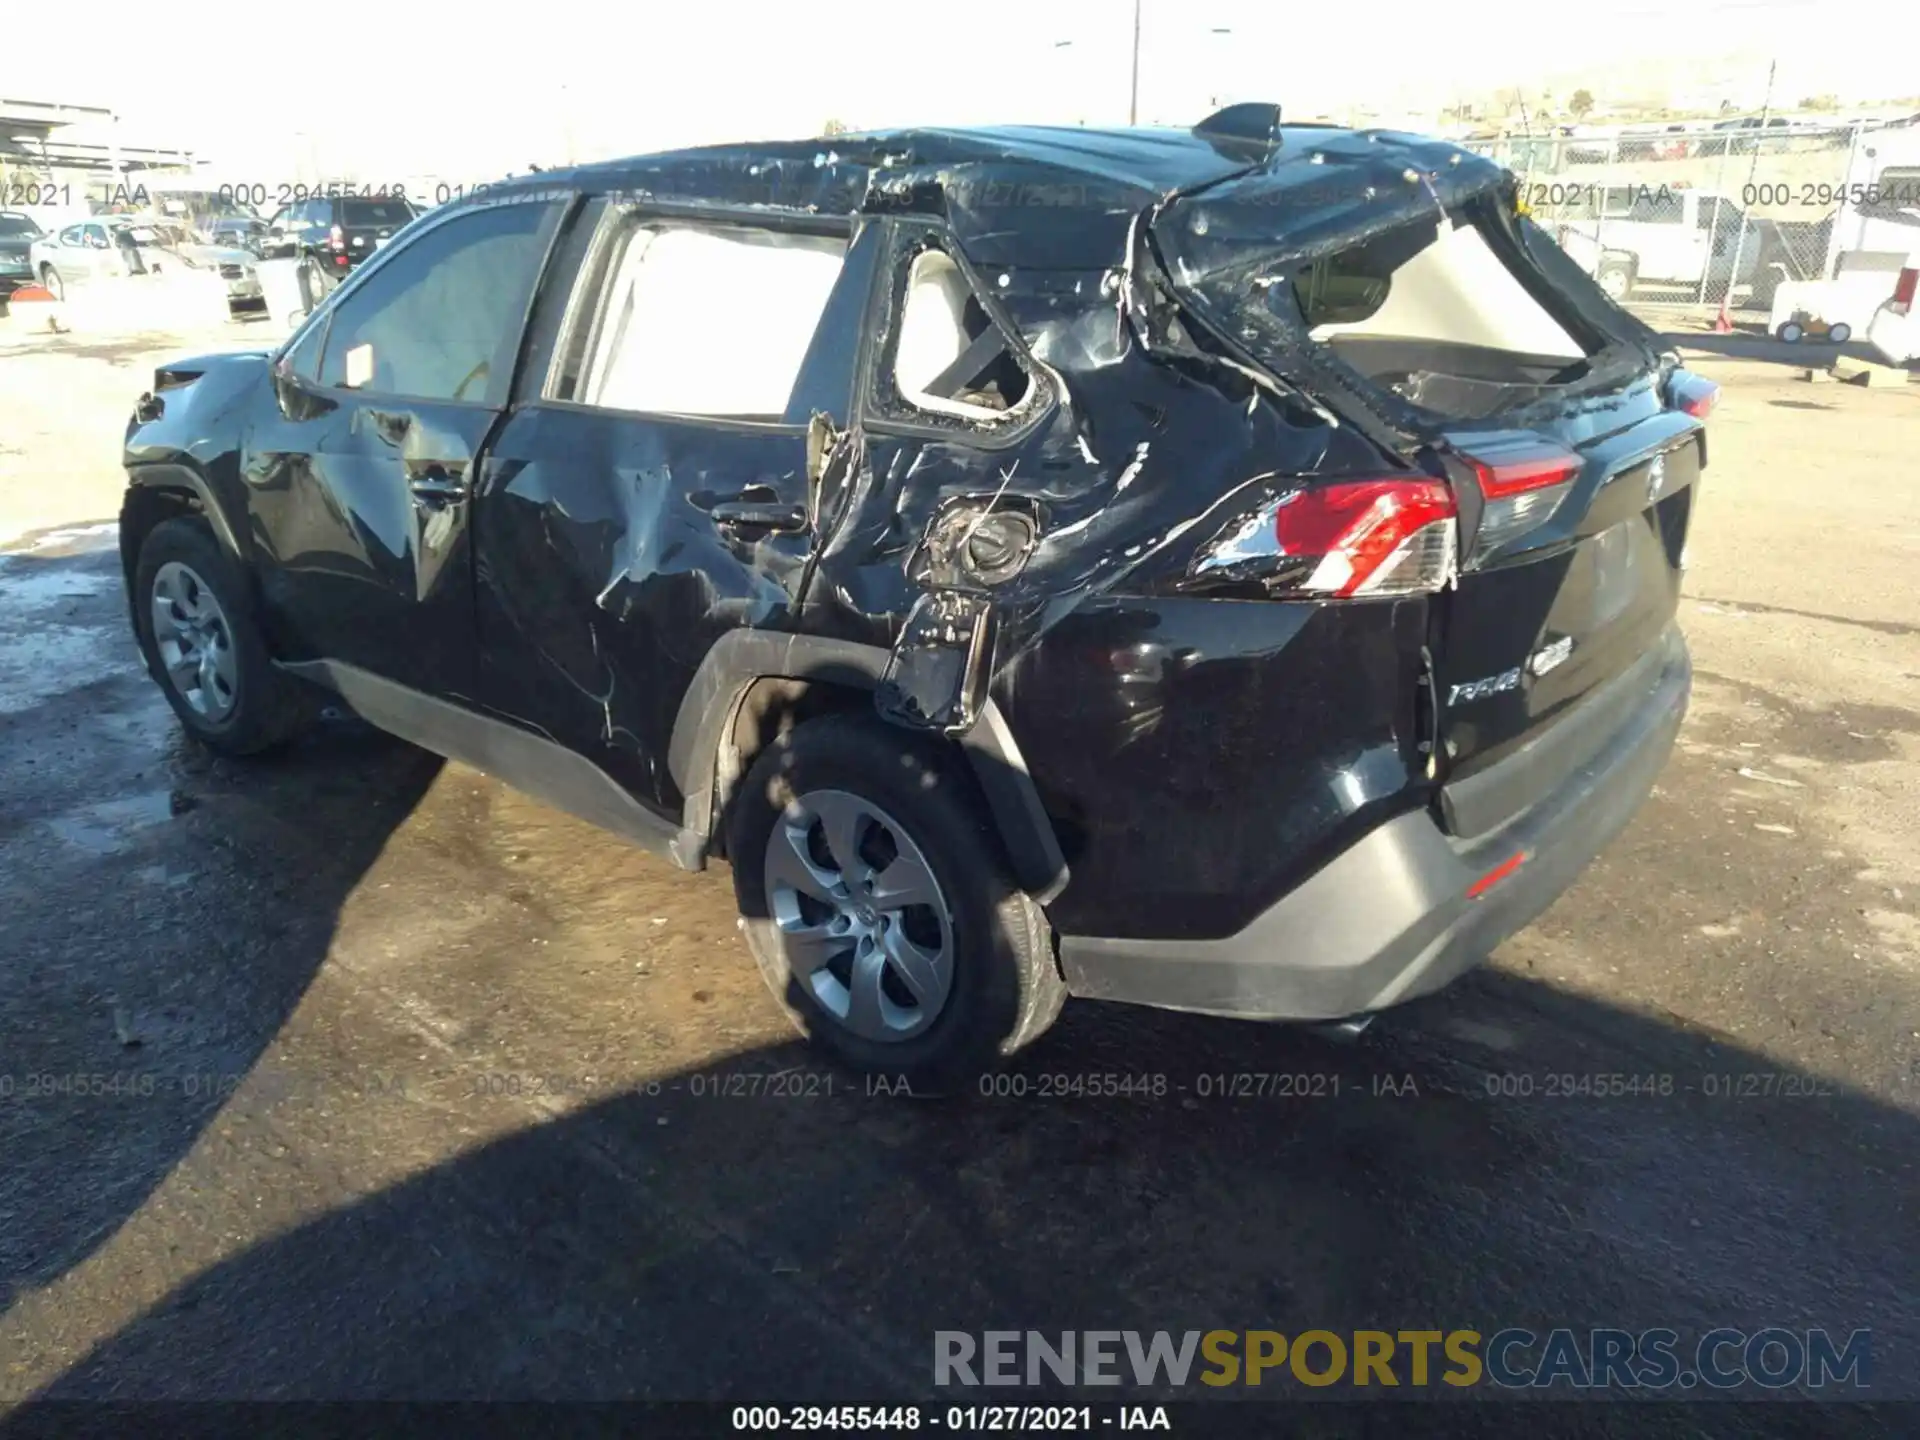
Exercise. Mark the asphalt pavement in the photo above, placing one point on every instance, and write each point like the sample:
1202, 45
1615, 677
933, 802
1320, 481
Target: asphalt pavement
350, 1074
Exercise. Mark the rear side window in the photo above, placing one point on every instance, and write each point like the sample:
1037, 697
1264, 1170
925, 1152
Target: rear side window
947, 361
706, 320
948, 357
441, 319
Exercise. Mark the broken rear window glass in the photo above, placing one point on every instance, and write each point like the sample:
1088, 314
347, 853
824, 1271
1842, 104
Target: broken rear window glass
1432, 312
949, 357
707, 320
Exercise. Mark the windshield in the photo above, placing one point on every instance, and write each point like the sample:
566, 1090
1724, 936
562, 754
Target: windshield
20, 227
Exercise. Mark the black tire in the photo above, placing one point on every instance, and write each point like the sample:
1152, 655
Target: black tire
51, 282
269, 707
1006, 989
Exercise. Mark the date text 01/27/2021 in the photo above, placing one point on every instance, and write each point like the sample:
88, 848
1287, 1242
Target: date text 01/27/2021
788, 1419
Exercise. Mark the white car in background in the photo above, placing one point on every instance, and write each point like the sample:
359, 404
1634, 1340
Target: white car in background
116, 246
1663, 237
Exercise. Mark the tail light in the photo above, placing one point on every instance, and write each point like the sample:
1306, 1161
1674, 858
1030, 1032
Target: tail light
1345, 539
337, 238
1522, 479
1688, 392
1903, 291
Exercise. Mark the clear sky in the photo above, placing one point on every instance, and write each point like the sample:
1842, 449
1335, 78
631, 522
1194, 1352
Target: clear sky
416, 86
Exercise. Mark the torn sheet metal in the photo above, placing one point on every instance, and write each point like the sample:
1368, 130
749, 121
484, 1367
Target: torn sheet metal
1166, 400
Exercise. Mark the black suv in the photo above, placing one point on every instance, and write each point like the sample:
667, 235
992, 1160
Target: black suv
1233, 571
333, 233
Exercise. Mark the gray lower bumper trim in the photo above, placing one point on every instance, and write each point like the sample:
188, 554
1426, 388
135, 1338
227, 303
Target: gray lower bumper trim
1389, 918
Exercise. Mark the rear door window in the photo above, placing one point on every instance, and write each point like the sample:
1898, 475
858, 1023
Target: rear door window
713, 320
441, 319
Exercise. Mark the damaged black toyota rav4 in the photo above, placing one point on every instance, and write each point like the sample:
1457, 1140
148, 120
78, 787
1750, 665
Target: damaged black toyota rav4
1232, 570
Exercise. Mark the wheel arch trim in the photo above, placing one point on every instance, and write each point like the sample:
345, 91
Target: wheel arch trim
740, 658
184, 479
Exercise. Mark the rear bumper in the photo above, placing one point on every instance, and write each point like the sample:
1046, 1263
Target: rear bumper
1389, 918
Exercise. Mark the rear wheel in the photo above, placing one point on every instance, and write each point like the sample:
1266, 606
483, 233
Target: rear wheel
194, 616
1616, 278
51, 282
1840, 333
1790, 332
879, 911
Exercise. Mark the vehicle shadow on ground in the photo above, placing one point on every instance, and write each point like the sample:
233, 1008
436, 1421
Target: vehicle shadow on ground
711, 1237
162, 912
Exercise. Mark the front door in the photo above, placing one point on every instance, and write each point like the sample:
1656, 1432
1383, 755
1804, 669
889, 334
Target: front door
361, 465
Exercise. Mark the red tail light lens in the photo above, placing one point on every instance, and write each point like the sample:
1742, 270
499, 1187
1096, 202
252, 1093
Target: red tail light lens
1347, 539
1522, 478
1903, 291
1543, 470
1687, 392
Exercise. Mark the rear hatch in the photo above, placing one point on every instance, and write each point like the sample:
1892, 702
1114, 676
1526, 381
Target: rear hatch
1563, 619
366, 225
1397, 282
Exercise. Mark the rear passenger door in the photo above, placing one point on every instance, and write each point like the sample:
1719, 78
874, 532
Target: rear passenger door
651, 491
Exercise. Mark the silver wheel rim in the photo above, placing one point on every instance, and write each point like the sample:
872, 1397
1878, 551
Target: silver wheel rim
195, 642
1614, 283
859, 915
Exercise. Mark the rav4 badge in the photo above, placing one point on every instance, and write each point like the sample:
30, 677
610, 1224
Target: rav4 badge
1547, 657
1480, 689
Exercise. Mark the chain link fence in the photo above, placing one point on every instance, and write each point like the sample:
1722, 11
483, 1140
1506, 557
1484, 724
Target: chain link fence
1696, 216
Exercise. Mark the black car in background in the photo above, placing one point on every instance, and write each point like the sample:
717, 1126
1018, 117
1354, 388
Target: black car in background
1231, 571
241, 232
18, 231
333, 233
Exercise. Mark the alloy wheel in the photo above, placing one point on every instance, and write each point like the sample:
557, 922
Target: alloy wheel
194, 641
859, 915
